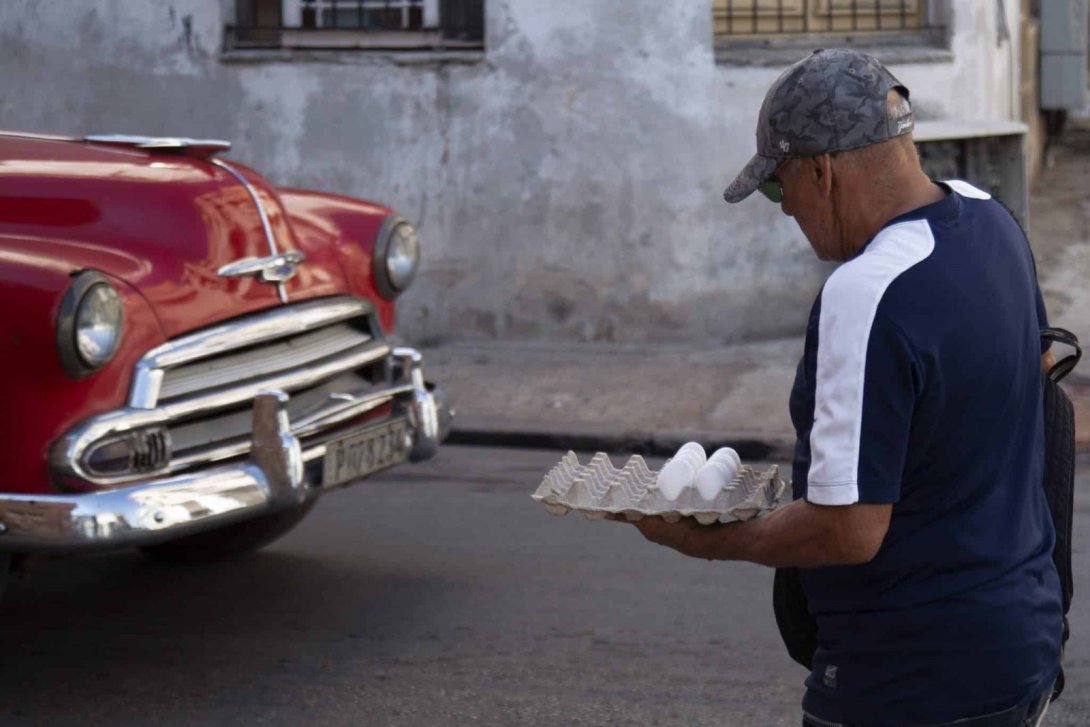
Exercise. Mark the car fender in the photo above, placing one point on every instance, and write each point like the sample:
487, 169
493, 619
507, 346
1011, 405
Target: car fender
42, 401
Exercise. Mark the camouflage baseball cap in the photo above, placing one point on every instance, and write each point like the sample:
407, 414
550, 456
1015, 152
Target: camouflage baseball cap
831, 100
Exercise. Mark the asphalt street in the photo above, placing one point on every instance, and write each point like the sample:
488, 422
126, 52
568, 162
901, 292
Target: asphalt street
433, 594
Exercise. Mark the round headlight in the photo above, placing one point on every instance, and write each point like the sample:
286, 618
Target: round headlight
397, 257
89, 324
98, 325
402, 256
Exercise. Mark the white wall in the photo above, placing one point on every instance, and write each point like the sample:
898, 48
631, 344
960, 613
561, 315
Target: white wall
566, 186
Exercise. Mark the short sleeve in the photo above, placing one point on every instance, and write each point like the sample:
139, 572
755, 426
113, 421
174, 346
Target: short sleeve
859, 444
865, 379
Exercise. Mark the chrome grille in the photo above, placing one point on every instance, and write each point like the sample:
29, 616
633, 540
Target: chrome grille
262, 360
192, 399
329, 355
315, 413
320, 353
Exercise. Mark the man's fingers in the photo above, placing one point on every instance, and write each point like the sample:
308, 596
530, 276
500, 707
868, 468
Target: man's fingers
620, 517
655, 529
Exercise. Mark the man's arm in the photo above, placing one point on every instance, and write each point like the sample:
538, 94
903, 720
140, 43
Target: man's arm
799, 534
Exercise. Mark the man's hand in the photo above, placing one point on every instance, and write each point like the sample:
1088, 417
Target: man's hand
686, 536
798, 534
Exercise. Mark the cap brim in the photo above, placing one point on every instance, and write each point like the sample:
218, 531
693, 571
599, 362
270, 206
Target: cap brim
756, 171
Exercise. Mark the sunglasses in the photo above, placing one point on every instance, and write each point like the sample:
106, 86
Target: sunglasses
772, 189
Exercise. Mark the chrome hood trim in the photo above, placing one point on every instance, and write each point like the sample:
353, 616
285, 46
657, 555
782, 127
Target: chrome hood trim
280, 290
273, 269
201, 148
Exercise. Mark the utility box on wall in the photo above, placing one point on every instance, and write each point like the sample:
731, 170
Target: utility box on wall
1063, 54
989, 154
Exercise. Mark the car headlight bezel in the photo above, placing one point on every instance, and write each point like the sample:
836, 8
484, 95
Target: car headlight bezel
90, 324
396, 257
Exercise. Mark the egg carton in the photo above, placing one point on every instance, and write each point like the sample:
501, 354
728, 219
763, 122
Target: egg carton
598, 489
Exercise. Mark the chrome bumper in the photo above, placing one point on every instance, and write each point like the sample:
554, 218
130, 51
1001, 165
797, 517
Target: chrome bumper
272, 478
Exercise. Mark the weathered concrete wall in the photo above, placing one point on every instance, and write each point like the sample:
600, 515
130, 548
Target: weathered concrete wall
566, 186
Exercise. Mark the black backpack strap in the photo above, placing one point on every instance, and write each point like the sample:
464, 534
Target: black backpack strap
1064, 366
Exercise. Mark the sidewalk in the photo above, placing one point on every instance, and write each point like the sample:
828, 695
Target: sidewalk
646, 399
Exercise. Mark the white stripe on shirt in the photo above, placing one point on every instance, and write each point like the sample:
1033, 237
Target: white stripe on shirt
849, 302
966, 190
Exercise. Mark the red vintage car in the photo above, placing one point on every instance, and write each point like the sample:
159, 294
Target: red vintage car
191, 356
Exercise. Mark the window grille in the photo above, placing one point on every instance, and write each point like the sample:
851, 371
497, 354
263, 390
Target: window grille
358, 14
742, 18
395, 24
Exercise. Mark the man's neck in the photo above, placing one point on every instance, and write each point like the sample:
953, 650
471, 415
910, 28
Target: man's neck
924, 192
871, 217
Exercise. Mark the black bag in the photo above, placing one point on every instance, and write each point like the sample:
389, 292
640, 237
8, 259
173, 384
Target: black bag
1059, 477
798, 629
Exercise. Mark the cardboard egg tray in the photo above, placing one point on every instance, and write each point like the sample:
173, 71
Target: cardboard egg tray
598, 488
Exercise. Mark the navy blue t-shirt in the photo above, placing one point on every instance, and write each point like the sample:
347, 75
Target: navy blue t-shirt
920, 386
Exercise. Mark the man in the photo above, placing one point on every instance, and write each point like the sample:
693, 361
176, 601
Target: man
918, 521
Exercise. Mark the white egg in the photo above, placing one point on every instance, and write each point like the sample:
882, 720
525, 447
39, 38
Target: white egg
713, 477
696, 449
727, 453
675, 476
732, 471
691, 459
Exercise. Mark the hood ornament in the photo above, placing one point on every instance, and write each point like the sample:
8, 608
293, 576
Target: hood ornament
273, 269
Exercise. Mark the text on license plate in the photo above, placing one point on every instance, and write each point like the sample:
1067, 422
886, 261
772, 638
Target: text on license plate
365, 452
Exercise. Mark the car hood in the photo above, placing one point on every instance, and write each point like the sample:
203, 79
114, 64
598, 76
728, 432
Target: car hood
163, 222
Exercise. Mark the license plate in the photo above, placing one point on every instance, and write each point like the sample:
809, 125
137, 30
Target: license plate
362, 453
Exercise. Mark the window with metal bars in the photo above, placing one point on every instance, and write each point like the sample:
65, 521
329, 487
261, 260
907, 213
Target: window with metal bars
772, 31
775, 17
363, 24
